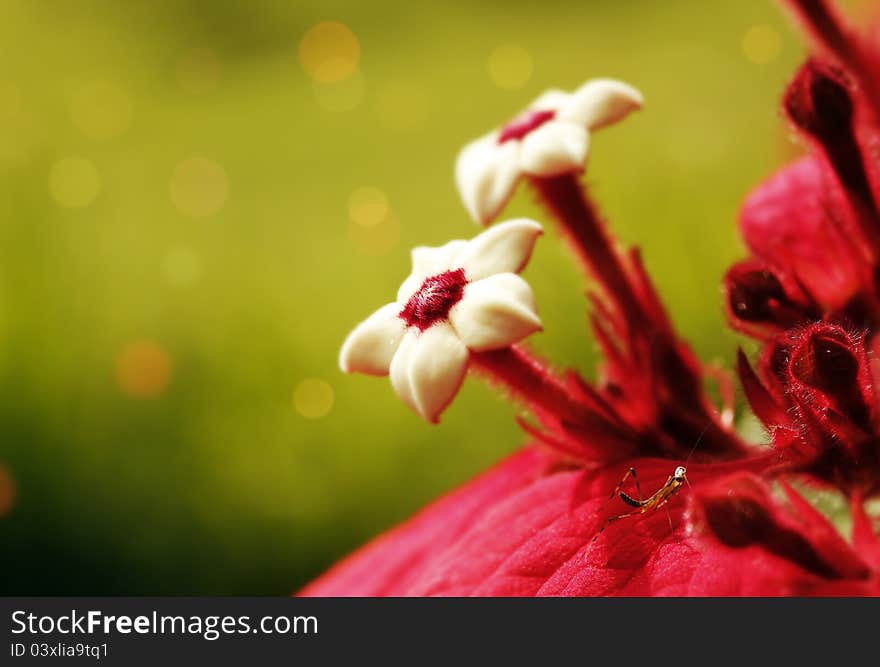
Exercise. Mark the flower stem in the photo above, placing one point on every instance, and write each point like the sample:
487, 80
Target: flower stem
529, 380
580, 223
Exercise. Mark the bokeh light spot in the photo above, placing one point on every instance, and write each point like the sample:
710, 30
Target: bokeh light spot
181, 267
74, 182
313, 398
198, 71
199, 187
8, 490
510, 66
329, 52
403, 106
761, 44
101, 110
367, 206
143, 369
377, 239
340, 96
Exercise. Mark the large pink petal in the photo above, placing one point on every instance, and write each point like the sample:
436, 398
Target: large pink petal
524, 529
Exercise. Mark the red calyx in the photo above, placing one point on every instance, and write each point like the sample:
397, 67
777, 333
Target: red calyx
817, 399
759, 304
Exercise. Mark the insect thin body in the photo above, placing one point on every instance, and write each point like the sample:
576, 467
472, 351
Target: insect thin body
652, 503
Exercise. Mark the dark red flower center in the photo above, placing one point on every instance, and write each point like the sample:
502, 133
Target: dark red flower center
524, 123
434, 299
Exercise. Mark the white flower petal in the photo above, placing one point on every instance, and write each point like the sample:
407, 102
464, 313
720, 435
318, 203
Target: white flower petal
550, 100
495, 312
601, 102
370, 347
400, 368
486, 174
428, 369
428, 261
555, 148
504, 248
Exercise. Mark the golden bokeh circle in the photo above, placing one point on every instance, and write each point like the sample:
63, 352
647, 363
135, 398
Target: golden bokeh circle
329, 52
199, 187
74, 182
510, 66
367, 206
143, 369
313, 398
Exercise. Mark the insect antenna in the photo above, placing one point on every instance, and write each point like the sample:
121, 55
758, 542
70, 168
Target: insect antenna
702, 433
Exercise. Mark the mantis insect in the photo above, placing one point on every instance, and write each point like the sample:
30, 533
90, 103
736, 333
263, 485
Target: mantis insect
657, 499
654, 502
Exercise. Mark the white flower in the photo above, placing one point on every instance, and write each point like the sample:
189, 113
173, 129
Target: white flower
463, 296
549, 138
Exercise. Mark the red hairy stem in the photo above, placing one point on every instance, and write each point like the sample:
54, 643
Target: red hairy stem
824, 25
529, 380
585, 231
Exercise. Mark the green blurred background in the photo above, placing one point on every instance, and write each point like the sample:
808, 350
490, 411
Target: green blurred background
199, 199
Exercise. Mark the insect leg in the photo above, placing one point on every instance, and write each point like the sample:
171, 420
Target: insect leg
669, 516
638, 486
612, 519
617, 489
